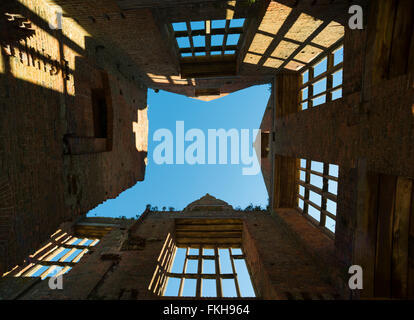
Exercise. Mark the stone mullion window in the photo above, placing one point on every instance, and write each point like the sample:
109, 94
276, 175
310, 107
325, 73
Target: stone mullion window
312, 78
305, 188
55, 255
187, 46
202, 274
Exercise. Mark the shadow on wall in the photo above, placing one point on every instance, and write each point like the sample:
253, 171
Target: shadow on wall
67, 141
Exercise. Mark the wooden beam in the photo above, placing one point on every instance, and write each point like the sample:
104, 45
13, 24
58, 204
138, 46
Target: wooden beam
207, 70
216, 241
200, 276
386, 209
285, 177
207, 25
410, 285
185, 221
226, 28
400, 237
366, 226
212, 227
141, 4
54, 263
401, 38
382, 31
203, 49
203, 32
208, 234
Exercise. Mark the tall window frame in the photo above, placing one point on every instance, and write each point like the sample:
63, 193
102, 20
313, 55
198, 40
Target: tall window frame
212, 254
325, 190
57, 257
319, 87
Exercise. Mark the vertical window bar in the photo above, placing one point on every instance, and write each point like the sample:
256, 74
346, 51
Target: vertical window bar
218, 273
190, 37
180, 290
226, 32
236, 282
329, 75
208, 36
307, 181
310, 88
199, 271
324, 189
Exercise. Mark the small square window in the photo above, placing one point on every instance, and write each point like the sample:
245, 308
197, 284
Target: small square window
209, 288
303, 163
236, 251
304, 105
317, 166
337, 78
217, 40
183, 42
330, 224
315, 198
237, 23
319, 100
319, 87
305, 77
173, 285
197, 25
232, 39
331, 206
333, 187
229, 288
336, 94
314, 213
333, 170
189, 289
317, 181
229, 52
193, 251
305, 93
179, 26
209, 266
320, 67
208, 252
218, 24
339, 56
199, 41
302, 175
192, 266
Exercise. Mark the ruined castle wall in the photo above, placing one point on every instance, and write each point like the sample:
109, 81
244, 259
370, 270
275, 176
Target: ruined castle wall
45, 95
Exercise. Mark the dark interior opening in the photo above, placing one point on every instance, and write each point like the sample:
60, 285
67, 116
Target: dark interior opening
100, 115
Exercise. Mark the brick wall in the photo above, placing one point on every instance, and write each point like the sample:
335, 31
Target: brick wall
278, 263
45, 94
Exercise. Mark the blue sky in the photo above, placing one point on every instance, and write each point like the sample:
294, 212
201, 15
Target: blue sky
178, 185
